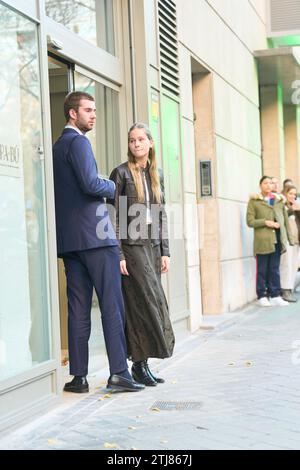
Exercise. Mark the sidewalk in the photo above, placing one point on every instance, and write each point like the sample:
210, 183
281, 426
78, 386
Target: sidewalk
235, 384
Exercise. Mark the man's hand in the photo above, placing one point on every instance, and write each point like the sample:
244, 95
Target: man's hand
165, 264
123, 268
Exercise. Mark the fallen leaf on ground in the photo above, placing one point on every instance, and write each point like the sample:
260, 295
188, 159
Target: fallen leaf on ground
248, 363
132, 427
101, 385
53, 441
231, 364
110, 445
108, 395
100, 399
155, 409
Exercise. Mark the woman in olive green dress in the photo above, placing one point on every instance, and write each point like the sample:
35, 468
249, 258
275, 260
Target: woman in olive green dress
144, 254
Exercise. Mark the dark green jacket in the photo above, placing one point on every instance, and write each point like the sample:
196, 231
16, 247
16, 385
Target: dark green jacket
258, 212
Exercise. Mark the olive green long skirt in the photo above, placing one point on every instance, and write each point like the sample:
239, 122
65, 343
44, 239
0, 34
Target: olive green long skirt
148, 327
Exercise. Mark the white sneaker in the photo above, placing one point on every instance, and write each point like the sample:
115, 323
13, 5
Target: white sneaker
278, 301
263, 302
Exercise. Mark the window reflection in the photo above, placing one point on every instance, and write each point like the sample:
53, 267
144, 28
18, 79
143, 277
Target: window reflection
24, 329
90, 19
105, 137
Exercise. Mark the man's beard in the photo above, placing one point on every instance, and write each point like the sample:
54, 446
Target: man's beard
82, 127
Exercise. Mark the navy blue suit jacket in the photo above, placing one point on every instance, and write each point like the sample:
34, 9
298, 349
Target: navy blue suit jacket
82, 220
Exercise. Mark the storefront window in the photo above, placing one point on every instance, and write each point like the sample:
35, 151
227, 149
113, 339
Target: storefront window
90, 19
105, 137
24, 312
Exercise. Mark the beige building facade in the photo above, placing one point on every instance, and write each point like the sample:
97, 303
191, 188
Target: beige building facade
220, 113
221, 99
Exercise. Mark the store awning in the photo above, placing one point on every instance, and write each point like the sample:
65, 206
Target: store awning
281, 66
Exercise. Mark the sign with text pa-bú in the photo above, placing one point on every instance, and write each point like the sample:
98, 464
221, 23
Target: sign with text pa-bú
10, 160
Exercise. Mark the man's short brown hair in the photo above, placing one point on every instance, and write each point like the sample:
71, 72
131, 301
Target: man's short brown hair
72, 101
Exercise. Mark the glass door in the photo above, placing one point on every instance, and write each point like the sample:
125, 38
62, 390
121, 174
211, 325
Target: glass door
60, 84
105, 139
24, 286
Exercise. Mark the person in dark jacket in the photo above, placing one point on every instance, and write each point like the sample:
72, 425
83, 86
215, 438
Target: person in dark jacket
144, 254
88, 246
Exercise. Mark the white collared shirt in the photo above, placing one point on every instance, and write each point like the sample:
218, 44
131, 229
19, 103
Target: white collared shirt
68, 126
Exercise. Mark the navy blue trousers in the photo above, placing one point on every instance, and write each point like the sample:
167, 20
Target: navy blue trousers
99, 268
268, 276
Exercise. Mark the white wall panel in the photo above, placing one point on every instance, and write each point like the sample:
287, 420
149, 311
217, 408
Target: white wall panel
236, 236
194, 294
244, 21
151, 32
202, 31
261, 8
185, 79
188, 156
191, 232
238, 283
238, 171
236, 118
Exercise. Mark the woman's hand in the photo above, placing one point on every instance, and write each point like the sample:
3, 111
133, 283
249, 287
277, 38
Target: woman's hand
165, 264
296, 206
269, 223
272, 224
123, 268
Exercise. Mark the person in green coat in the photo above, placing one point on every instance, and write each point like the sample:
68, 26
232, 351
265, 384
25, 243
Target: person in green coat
267, 215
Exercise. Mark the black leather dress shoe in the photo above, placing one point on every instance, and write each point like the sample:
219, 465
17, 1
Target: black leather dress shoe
77, 385
141, 374
120, 384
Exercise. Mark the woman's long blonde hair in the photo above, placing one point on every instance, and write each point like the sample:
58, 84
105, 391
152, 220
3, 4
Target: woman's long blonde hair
136, 171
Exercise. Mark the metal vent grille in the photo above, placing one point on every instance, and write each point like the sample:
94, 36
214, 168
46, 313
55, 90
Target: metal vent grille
284, 15
168, 42
176, 405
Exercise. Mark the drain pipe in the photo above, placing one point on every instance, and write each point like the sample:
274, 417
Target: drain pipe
132, 60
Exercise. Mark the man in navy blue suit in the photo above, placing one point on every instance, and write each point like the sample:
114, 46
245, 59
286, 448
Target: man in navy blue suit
87, 244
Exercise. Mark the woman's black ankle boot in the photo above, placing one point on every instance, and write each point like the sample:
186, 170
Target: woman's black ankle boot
159, 380
141, 375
